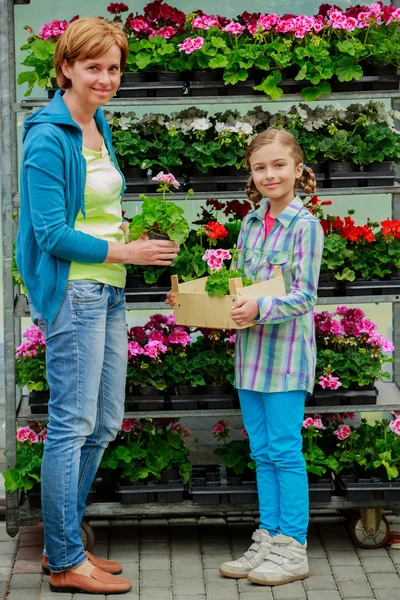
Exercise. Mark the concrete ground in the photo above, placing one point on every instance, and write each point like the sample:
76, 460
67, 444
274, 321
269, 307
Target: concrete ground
179, 560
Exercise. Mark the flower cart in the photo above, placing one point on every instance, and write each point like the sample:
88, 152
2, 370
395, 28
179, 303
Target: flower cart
196, 147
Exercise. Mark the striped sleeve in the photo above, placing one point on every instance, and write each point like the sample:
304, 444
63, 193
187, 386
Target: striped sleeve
239, 262
306, 263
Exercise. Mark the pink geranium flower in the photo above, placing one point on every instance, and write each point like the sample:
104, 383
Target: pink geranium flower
189, 45
167, 179
395, 426
329, 382
23, 433
182, 429
134, 349
234, 28
343, 432
309, 422
53, 29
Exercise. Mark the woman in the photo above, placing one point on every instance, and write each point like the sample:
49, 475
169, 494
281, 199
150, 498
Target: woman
71, 252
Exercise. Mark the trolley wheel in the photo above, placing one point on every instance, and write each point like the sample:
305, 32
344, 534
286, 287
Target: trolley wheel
87, 535
370, 539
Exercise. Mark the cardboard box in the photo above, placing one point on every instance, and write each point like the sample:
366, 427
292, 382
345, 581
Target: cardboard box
195, 308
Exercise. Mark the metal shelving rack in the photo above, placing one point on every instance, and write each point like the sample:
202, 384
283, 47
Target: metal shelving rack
15, 307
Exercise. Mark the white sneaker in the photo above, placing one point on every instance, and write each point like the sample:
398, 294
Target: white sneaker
255, 556
286, 562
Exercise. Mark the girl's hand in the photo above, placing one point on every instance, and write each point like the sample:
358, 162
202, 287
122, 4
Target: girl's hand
245, 311
171, 299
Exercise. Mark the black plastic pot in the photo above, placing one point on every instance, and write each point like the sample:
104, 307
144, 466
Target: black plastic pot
153, 235
134, 172
328, 285
372, 287
340, 167
386, 165
130, 77
172, 83
320, 489
148, 491
36, 397
341, 397
134, 281
211, 75
384, 70
224, 388
212, 484
367, 488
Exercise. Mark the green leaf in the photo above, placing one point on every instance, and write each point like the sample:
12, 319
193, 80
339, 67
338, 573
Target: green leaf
219, 62
313, 93
218, 42
269, 86
346, 70
346, 275
143, 60
232, 77
42, 49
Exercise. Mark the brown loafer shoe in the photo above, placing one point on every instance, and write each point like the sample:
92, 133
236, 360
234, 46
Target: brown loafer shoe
97, 582
108, 566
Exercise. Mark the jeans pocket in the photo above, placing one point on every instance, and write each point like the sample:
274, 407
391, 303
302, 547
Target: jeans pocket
85, 292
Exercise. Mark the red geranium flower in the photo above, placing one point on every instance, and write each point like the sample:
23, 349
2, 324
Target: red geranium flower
216, 231
116, 8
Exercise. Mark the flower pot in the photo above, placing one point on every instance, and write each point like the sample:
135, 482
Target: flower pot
386, 165
147, 390
213, 484
368, 488
340, 167
173, 83
145, 491
328, 285
211, 75
320, 489
384, 70
134, 281
134, 172
186, 390
153, 235
130, 77
357, 395
224, 388
36, 397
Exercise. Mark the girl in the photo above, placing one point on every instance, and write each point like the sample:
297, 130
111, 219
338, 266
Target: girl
71, 252
275, 360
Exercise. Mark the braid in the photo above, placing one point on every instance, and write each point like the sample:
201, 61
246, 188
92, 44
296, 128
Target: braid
308, 181
252, 192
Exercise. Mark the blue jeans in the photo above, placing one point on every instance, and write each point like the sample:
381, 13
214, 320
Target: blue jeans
273, 422
86, 360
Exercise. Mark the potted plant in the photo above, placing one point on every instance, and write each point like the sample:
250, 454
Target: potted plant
150, 459
159, 218
30, 369
25, 474
368, 459
131, 150
350, 356
319, 463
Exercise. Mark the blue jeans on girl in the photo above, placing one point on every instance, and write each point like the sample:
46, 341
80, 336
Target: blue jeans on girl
86, 360
273, 422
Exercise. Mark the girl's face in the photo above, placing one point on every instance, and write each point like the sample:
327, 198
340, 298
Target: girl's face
274, 171
95, 80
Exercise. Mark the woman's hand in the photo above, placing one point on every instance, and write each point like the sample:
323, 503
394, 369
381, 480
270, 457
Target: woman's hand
143, 252
170, 299
245, 311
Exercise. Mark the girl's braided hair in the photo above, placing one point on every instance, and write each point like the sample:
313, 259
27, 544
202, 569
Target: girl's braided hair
307, 181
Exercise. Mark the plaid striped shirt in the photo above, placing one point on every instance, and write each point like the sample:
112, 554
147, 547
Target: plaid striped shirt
279, 355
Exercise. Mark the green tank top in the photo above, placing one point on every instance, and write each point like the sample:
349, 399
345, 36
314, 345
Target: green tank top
103, 216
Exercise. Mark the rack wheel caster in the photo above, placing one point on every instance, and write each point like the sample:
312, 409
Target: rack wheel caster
371, 530
87, 535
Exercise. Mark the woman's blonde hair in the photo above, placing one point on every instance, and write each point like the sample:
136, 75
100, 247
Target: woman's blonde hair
307, 181
87, 38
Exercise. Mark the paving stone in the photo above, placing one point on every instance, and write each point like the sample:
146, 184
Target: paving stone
212, 576
156, 593
181, 586
316, 595
215, 560
219, 591
320, 582
130, 570
265, 595
378, 565
3, 587
18, 595
124, 556
386, 594
338, 544
28, 566
50, 596
353, 573
156, 577
384, 580
319, 566
374, 552
154, 561
187, 570
29, 552
355, 589
154, 548
8, 547
5, 573
343, 558
290, 591
246, 587
395, 556
190, 596
20, 581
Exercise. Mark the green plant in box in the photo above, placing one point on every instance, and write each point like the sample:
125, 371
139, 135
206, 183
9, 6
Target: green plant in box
160, 216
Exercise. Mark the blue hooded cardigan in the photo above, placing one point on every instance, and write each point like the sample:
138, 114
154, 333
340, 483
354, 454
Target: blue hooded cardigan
52, 185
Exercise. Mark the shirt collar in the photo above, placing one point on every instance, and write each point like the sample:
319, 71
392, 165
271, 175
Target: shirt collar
286, 216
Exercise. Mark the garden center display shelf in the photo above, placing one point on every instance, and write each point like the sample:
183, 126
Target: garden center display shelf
16, 307
251, 99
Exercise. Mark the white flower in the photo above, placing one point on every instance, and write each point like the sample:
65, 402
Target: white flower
245, 128
223, 128
124, 121
200, 124
302, 113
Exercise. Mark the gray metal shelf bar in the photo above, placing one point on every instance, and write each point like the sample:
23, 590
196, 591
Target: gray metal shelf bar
22, 307
353, 191
201, 100
7, 182
31, 516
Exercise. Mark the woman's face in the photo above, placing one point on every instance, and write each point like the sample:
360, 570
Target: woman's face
274, 171
95, 80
